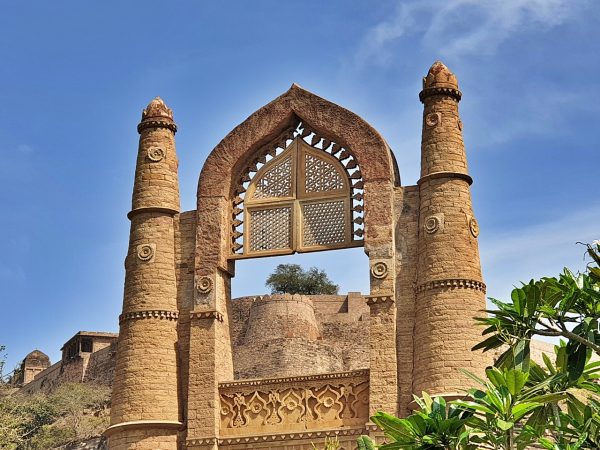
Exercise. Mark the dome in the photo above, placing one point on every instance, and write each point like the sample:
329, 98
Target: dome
37, 358
440, 76
156, 109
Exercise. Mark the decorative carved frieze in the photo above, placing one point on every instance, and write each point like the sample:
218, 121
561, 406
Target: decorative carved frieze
310, 436
294, 404
455, 283
157, 124
447, 91
379, 299
215, 315
201, 441
299, 379
150, 314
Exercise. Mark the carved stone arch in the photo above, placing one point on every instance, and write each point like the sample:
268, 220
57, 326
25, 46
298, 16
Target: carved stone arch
225, 164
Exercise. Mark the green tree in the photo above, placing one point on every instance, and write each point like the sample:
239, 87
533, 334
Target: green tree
435, 426
556, 405
565, 306
41, 421
293, 279
2, 363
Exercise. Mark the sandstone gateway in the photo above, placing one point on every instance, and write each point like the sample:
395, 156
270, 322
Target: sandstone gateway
301, 174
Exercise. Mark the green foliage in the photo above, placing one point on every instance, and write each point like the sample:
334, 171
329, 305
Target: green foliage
42, 421
555, 405
567, 306
365, 443
2, 363
293, 279
499, 410
329, 444
435, 426
50, 436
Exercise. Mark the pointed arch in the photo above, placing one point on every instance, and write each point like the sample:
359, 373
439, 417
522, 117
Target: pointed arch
240, 149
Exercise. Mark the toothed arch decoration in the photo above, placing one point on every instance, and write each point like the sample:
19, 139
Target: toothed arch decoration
302, 193
331, 141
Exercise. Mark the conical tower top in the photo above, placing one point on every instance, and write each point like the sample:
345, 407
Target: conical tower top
440, 80
157, 108
157, 115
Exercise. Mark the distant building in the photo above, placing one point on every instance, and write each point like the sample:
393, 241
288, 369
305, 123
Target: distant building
34, 363
87, 356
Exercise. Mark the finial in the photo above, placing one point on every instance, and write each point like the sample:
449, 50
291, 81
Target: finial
440, 81
157, 108
157, 115
440, 76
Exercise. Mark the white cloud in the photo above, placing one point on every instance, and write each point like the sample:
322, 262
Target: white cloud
455, 28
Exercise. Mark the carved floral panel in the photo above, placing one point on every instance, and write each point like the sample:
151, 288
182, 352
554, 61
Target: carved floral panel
295, 404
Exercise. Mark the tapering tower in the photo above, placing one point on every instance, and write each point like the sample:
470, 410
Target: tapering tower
145, 400
450, 290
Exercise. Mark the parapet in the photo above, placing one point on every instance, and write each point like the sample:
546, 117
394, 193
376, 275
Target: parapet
281, 316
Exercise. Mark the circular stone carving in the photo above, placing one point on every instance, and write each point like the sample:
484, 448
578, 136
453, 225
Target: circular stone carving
433, 119
205, 285
156, 154
145, 252
474, 227
432, 224
379, 270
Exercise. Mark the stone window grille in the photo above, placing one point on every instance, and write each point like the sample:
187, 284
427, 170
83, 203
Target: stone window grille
303, 193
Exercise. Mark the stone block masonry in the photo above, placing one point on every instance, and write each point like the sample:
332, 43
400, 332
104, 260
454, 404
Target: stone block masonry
300, 174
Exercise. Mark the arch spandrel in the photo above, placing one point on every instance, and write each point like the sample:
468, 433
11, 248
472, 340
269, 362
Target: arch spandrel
225, 164
350, 130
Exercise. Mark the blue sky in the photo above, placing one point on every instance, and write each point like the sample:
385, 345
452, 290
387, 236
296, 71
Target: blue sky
74, 77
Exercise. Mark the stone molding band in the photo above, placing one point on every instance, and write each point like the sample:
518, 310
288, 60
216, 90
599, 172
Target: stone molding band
150, 314
434, 175
460, 283
450, 92
143, 424
201, 441
301, 378
379, 299
156, 124
151, 209
276, 437
215, 315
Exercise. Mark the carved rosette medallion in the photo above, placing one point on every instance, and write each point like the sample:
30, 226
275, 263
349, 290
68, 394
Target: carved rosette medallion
474, 226
204, 285
156, 154
433, 119
379, 270
433, 223
145, 252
